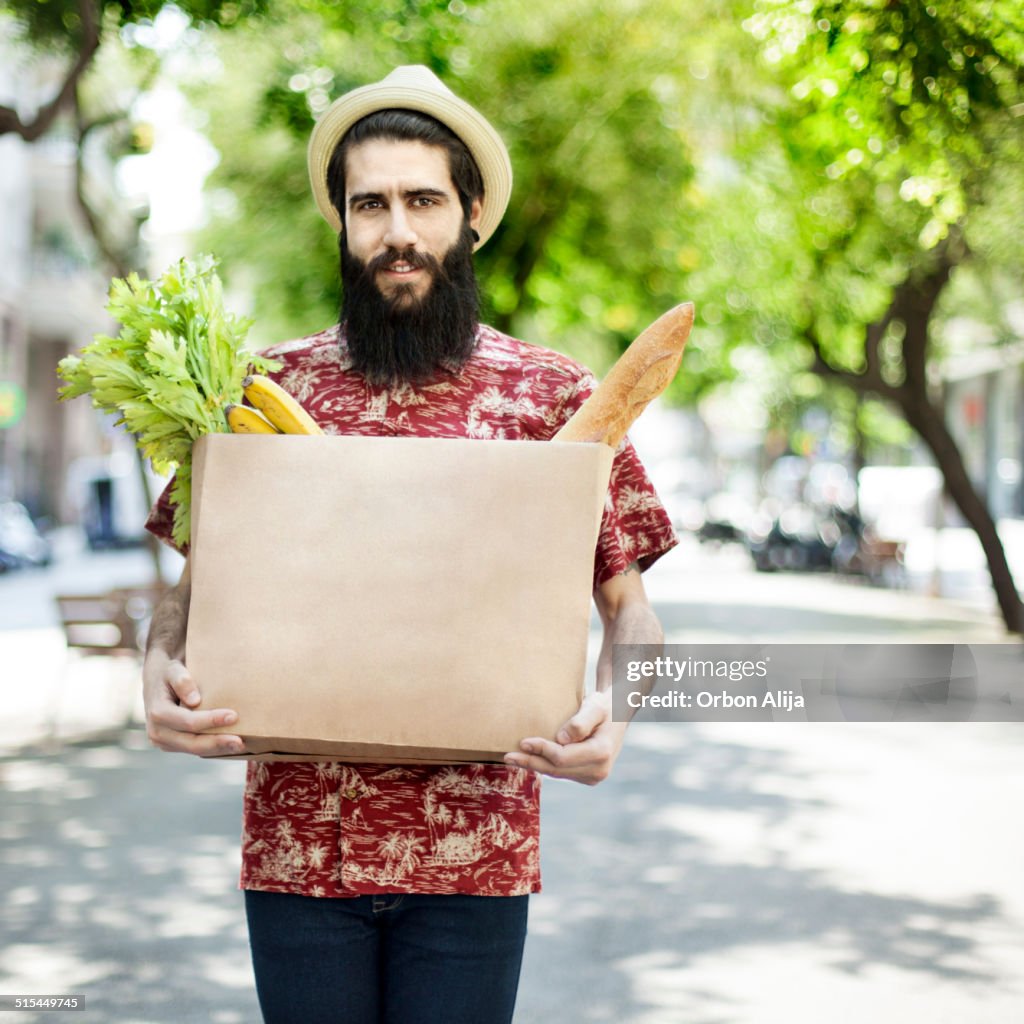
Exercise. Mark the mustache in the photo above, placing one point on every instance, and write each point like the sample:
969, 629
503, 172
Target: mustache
412, 257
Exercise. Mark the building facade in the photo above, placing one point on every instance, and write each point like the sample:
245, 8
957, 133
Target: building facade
52, 297
984, 394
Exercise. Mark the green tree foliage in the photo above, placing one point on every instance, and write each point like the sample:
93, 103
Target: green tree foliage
877, 130
883, 166
78, 28
589, 247
63, 23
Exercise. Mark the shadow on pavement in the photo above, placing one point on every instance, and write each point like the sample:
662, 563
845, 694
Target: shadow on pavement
120, 868
634, 898
120, 871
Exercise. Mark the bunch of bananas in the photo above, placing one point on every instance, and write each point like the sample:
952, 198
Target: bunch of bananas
275, 412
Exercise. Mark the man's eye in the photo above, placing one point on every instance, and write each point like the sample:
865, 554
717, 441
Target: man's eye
423, 201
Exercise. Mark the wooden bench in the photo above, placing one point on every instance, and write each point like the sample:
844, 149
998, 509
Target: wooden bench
113, 624
97, 624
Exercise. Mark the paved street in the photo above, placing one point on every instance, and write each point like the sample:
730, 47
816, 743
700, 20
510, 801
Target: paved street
728, 873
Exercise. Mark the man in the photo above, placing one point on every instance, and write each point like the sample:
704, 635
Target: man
398, 893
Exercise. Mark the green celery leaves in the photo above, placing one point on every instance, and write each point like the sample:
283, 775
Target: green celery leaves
177, 361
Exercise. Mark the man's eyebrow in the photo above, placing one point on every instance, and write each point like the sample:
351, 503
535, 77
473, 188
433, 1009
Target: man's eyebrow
409, 193
415, 193
359, 197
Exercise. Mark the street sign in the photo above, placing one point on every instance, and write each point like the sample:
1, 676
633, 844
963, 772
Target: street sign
12, 403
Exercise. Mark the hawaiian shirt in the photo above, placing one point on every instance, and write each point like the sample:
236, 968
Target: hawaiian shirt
335, 829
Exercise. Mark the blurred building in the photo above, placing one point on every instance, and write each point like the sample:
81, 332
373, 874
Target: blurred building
52, 297
984, 391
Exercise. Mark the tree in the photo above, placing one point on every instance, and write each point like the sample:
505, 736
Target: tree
881, 170
76, 30
97, 96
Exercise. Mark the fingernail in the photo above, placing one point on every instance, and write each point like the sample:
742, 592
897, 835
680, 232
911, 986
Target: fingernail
192, 698
563, 737
228, 718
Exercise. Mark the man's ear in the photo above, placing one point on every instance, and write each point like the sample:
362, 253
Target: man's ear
476, 212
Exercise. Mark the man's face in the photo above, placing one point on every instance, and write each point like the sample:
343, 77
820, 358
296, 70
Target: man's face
400, 203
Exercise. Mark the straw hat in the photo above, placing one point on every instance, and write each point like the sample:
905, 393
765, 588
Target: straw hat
414, 87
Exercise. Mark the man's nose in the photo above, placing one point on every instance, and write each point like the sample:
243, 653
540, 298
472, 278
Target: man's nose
400, 234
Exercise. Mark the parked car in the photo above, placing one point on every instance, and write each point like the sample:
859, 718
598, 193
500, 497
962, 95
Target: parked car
726, 519
21, 543
798, 539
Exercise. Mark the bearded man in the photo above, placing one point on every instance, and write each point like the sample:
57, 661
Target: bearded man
342, 930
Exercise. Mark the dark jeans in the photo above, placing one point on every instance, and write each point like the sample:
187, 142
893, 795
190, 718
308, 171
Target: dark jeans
389, 959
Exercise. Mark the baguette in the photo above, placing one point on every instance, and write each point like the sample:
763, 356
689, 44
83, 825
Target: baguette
639, 375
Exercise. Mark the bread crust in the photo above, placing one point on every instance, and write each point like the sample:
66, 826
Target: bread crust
639, 375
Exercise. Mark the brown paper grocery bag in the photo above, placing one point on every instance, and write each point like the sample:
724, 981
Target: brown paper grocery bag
397, 599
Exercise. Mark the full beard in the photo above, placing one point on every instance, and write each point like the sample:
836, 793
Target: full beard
401, 338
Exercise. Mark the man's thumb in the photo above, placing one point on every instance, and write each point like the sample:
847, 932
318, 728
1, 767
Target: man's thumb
182, 684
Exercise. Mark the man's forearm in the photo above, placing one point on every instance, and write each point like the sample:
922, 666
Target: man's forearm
634, 624
628, 619
170, 621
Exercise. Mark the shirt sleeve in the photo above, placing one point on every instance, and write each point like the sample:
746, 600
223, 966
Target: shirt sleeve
160, 521
635, 526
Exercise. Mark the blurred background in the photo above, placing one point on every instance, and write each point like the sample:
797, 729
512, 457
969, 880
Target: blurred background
837, 185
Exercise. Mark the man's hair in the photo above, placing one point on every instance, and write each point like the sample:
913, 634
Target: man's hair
407, 126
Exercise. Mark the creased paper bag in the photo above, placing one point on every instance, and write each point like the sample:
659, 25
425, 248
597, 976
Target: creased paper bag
396, 599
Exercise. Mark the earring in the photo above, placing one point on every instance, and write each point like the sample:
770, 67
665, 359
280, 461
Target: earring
475, 234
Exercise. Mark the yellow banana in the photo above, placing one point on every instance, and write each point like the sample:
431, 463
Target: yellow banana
243, 420
278, 406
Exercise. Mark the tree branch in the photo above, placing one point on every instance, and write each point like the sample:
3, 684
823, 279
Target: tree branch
915, 301
122, 259
872, 342
868, 382
870, 379
10, 120
118, 261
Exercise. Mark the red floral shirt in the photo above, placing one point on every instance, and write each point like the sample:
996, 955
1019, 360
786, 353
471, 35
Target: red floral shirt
334, 829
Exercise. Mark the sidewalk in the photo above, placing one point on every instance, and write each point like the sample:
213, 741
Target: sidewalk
49, 692
727, 873
707, 594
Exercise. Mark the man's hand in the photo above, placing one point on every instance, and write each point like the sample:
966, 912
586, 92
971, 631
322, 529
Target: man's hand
170, 694
586, 748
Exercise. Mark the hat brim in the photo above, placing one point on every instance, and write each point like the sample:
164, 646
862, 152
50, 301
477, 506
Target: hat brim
468, 124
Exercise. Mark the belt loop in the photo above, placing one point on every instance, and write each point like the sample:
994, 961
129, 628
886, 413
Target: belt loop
386, 901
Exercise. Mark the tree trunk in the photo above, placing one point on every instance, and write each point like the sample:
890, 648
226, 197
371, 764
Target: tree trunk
913, 302
930, 425
860, 459
10, 119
